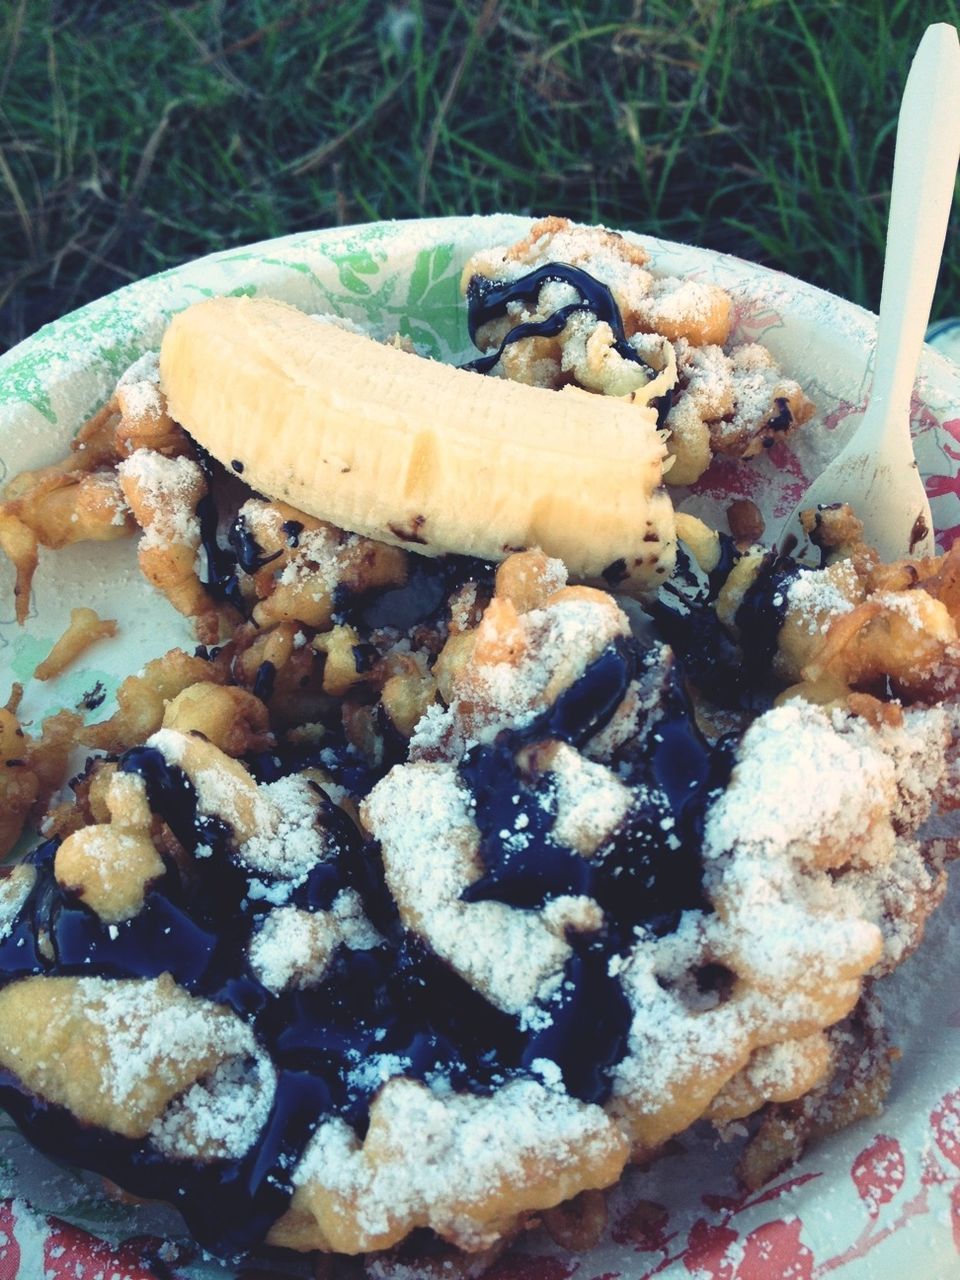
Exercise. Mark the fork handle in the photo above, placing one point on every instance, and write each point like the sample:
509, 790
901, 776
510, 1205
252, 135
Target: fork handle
924, 170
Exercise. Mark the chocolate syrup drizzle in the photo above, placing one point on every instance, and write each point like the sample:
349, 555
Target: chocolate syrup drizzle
488, 299
764, 608
221, 575
422, 599
729, 675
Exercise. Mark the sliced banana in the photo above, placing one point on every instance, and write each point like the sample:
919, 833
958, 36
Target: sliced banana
413, 452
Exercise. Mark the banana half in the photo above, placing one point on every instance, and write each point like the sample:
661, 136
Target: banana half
413, 452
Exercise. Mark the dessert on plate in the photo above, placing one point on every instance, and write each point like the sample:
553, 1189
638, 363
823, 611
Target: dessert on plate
506, 822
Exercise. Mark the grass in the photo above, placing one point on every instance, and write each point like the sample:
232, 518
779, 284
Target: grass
136, 136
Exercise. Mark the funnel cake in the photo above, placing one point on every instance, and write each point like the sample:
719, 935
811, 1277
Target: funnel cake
583, 925
429, 893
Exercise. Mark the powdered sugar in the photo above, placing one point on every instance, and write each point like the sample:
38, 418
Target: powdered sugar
421, 816
917, 749
778, 1068
757, 381
293, 948
140, 400
767, 297
376, 1069
220, 1117
786, 927
150, 1029
167, 492
900, 897
668, 1041
610, 259
772, 808
591, 801
292, 840
145, 368
278, 824
810, 790
15, 888
468, 1148
707, 373
818, 594
671, 301
356, 931
917, 608
318, 559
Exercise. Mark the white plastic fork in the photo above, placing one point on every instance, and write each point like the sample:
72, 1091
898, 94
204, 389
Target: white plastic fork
876, 471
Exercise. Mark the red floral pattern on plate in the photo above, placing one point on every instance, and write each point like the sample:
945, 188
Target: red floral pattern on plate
72, 1254
9, 1248
880, 1173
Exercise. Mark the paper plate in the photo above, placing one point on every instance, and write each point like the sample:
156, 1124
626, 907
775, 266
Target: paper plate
878, 1201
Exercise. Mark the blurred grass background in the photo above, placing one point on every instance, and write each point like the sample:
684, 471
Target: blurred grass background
134, 136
